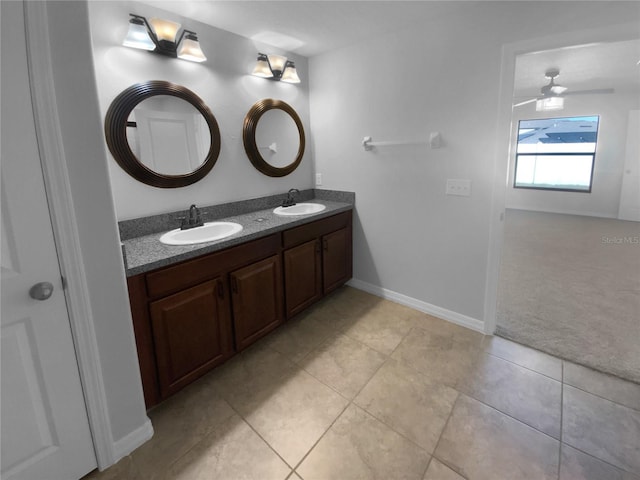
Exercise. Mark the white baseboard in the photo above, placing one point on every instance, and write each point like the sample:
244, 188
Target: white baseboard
561, 211
443, 313
127, 444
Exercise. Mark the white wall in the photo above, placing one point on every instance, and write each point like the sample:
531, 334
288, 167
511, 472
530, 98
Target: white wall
223, 82
444, 76
604, 198
81, 130
630, 192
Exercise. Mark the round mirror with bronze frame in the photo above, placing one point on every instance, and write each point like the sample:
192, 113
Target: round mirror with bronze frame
117, 121
249, 137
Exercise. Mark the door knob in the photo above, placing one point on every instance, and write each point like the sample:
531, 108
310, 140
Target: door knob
41, 291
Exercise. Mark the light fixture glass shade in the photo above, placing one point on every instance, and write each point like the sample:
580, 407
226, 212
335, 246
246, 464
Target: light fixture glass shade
262, 69
165, 29
190, 50
277, 62
558, 89
549, 103
138, 37
290, 75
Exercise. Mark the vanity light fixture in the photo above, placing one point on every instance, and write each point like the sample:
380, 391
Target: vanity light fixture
276, 67
159, 36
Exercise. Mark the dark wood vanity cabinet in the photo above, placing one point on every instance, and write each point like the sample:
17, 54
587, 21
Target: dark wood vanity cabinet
303, 276
256, 298
317, 260
191, 316
192, 334
336, 259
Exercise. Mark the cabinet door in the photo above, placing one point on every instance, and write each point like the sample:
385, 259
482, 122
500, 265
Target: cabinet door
336, 259
302, 276
256, 296
192, 334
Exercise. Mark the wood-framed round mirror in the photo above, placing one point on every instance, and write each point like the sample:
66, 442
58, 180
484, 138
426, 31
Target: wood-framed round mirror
162, 134
273, 137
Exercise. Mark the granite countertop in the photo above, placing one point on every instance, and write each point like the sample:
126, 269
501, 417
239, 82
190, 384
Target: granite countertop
146, 253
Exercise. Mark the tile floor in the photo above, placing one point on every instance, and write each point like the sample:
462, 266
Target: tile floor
363, 388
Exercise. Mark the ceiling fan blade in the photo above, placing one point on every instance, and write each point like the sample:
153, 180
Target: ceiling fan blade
525, 102
596, 91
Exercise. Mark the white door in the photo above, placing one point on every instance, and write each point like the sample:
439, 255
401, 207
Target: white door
44, 426
171, 142
629, 208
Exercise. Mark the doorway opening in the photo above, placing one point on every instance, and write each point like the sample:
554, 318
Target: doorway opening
569, 278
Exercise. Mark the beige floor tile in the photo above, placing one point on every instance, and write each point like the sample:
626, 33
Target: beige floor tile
524, 356
607, 386
179, 423
233, 451
443, 327
601, 428
383, 327
408, 402
299, 336
293, 414
343, 363
343, 306
439, 471
484, 444
125, 469
528, 396
256, 368
358, 446
444, 357
575, 465
199, 435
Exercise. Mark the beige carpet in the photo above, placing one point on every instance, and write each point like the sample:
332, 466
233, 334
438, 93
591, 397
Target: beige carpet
570, 286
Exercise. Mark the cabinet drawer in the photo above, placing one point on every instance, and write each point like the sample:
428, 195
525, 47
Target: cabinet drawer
192, 272
304, 233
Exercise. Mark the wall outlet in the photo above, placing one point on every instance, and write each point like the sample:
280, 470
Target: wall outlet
318, 179
459, 187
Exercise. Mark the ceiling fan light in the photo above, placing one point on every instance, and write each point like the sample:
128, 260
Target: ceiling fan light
138, 36
558, 89
549, 104
290, 75
165, 29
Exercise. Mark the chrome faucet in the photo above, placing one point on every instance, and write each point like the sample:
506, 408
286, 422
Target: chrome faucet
290, 201
194, 220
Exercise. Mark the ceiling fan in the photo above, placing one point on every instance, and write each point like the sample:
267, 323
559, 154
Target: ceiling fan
552, 95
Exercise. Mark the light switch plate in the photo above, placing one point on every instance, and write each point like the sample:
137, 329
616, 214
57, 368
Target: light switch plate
460, 187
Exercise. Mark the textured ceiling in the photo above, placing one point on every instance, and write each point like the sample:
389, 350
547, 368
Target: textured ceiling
606, 65
313, 27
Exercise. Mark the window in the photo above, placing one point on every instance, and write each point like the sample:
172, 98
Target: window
556, 153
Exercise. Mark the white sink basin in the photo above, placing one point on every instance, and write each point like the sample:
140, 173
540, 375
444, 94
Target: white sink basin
300, 209
209, 232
